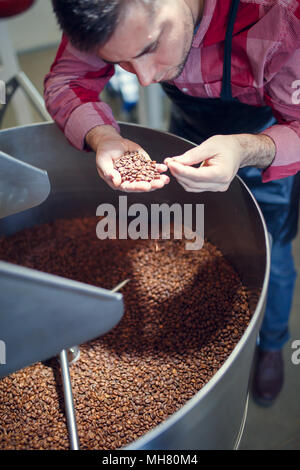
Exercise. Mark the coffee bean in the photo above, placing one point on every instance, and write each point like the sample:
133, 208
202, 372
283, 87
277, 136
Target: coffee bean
133, 166
184, 313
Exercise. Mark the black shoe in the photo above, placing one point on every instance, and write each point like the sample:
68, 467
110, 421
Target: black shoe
268, 377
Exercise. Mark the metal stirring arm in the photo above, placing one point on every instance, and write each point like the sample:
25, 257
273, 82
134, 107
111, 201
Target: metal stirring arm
67, 385
69, 402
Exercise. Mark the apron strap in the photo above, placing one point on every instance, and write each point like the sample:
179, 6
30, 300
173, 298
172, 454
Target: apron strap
226, 93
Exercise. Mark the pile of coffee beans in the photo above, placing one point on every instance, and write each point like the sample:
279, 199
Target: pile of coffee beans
184, 313
133, 167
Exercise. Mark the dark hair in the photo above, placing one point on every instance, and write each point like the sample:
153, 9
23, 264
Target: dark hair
90, 23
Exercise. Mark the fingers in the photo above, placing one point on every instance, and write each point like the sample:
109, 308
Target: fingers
144, 186
106, 169
203, 187
112, 151
201, 184
142, 152
220, 153
214, 177
192, 157
178, 170
220, 183
115, 178
108, 180
161, 167
115, 182
203, 173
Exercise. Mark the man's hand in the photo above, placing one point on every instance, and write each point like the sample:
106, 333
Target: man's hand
109, 146
223, 156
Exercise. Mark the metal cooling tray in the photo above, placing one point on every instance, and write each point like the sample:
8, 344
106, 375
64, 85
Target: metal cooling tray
41, 314
22, 186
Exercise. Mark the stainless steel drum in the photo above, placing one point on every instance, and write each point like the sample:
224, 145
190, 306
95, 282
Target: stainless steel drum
214, 417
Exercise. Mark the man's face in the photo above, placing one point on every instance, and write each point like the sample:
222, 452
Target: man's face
154, 47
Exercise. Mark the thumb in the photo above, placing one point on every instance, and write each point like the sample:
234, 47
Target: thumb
188, 158
105, 164
195, 155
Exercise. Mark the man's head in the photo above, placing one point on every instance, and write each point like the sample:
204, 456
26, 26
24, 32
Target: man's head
151, 38
90, 23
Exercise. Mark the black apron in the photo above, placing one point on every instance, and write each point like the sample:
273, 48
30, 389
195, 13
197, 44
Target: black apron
197, 119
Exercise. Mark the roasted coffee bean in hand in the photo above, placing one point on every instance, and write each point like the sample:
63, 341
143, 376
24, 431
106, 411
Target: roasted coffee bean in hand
134, 167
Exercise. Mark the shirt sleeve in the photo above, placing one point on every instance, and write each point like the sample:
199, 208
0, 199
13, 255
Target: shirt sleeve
282, 93
72, 89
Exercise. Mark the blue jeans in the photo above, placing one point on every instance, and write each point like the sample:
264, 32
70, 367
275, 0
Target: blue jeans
278, 201
274, 331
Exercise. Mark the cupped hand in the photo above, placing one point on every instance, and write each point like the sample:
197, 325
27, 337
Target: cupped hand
111, 149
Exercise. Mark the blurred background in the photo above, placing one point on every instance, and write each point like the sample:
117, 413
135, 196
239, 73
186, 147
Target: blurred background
33, 36
28, 42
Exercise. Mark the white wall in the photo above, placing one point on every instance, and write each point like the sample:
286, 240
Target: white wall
35, 28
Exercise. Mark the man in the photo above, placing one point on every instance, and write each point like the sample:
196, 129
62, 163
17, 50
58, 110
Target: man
232, 71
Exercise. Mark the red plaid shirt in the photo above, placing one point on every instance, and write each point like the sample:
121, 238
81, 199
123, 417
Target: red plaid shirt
265, 71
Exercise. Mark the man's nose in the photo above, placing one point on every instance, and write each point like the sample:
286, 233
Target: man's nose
144, 70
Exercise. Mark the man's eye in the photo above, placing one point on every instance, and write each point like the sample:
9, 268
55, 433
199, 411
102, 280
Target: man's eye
153, 47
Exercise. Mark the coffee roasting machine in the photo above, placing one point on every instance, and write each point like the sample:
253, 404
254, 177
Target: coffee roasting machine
43, 178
